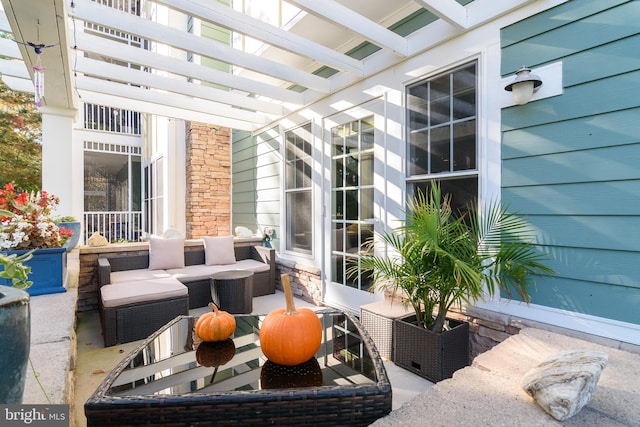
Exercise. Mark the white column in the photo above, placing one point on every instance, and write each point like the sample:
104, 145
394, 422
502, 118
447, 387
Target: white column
176, 184
62, 162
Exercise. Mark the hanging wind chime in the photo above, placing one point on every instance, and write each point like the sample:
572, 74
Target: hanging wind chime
38, 81
38, 68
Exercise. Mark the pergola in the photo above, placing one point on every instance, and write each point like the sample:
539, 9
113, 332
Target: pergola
327, 46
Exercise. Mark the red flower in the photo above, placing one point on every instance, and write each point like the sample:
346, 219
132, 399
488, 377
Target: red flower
32, 227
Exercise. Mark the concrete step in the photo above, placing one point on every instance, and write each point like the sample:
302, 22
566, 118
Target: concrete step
488, 393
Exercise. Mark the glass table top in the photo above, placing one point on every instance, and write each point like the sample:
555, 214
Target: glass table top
174, 361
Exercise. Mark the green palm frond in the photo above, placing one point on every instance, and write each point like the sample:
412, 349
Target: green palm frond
437, 259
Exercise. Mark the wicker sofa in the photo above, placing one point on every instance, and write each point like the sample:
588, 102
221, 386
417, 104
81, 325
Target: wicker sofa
135, 301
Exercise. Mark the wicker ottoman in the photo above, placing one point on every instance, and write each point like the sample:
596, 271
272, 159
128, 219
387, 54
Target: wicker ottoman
377, 318
232, 291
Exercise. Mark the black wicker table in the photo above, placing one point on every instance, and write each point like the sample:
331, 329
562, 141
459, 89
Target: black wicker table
172, 379
232, 291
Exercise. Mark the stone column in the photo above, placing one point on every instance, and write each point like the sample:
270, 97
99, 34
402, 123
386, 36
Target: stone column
208, 180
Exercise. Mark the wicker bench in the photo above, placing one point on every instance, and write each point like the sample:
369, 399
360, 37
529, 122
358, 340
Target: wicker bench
154, 297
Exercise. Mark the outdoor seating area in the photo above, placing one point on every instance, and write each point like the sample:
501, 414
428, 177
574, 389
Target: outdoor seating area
336, 212
168, 280
71, 367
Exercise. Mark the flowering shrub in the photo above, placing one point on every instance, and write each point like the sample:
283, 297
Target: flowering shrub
30, 225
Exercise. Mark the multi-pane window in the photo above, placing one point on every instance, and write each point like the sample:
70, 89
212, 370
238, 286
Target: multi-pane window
298, 194
352, 190
442, 136
112, 190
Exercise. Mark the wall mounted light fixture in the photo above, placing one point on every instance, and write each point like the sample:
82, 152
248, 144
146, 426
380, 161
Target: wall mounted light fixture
524, 85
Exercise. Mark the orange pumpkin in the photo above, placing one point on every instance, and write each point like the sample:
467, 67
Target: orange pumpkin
289, 336
215, 326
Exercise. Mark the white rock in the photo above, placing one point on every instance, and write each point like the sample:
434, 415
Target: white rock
563, 384
97, 239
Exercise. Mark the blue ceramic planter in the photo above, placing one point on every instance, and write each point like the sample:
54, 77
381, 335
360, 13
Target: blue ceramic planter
15, 342
74, 226
48, 271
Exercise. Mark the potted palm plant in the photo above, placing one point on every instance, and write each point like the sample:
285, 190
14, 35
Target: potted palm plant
438, 259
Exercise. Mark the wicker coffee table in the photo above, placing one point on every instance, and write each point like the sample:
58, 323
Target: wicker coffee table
162, 382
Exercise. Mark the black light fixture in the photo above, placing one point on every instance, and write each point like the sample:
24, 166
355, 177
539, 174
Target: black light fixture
524, 85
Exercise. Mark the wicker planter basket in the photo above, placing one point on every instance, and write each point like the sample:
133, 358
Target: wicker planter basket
430, 355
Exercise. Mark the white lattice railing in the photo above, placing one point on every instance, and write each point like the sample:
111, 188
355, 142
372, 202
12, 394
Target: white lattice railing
115, 226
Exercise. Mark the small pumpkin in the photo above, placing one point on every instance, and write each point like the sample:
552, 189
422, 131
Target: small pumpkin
289, 336
217, 325
215, 354
307, 374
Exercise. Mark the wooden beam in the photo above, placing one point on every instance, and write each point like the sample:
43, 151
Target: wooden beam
163, 34
449, 10
129, 54
224, 16
14, 69
330, 10
17, 83
171, 84
168, 104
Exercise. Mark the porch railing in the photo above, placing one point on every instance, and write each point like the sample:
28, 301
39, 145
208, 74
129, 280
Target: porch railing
115, 226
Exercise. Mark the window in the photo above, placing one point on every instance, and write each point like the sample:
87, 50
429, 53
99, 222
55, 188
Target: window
112, 190
442, 136
298, 194
352, 190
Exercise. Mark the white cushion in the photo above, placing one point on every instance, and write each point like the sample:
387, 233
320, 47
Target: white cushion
125, 293
219, 250
134, 275
165, 253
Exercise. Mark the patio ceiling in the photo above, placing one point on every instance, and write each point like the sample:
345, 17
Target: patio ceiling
327, 46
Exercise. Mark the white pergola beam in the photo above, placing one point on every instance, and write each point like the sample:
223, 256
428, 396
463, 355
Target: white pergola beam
224, 16
4, 23
14, 69
103, 47
164, 104
330, 10
10, 49
481, 11
103, 15
17, 83
448, 10
177, 85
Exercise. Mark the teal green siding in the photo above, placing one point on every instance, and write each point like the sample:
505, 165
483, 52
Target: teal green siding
570, 163
256, 181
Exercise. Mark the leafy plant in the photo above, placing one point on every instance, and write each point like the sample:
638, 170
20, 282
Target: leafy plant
439, 259
15, 270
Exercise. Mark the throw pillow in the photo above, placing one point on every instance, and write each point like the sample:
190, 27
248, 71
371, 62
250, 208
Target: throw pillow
219, 250
165, 253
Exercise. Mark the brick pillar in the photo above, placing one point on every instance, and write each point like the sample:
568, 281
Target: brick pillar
208, 169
